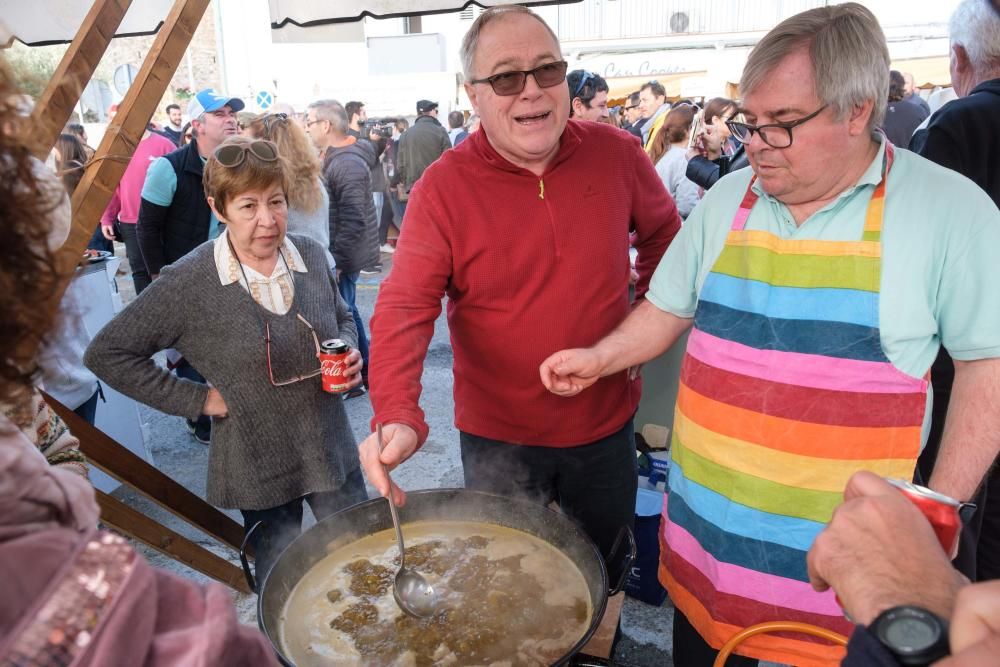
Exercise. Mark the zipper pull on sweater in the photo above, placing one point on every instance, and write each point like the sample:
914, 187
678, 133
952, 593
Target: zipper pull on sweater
541, 189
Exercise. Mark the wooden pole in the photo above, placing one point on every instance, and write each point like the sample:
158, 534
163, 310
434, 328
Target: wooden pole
123, 134
114, 459
137, 525
77, 67
91, 197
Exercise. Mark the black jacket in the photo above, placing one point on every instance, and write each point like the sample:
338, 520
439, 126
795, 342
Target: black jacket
379, 182
378, 176
705, 172
172, 134
419, 147
347, 173
167, 233
635, 130
916, 100
964, 135
865, 650
901, 119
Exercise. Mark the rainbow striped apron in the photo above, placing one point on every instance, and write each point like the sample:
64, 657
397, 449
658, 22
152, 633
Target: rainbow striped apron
785, 391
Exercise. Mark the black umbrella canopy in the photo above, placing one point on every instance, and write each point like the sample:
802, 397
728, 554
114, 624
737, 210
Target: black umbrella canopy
42, 22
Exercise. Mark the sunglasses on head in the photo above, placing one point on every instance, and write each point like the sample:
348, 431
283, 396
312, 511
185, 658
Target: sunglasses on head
512, 83
271, 119
587, 76
233, 155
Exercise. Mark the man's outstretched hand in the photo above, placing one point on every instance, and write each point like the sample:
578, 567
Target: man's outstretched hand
568, 372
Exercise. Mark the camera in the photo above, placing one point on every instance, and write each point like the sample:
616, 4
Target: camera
382, 128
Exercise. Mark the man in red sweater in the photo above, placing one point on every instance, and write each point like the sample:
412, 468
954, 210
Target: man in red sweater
525, 227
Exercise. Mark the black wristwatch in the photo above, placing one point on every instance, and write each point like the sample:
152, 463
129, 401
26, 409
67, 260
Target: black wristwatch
915, 636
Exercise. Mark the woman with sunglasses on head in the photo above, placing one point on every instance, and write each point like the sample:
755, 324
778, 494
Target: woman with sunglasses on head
308, 200
249, 310
715, 153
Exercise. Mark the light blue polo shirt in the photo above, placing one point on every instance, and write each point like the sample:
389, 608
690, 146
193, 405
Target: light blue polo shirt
160, 186
940, 280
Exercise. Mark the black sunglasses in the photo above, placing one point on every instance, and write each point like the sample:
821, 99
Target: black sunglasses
233, 155
512, 83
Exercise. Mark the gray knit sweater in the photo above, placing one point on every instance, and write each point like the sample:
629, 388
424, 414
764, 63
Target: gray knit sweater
277, 443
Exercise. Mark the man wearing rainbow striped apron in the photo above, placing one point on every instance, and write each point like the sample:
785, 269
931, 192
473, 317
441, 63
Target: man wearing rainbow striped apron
820, 285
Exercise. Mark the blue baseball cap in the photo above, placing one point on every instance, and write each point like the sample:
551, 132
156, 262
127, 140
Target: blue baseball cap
206, 101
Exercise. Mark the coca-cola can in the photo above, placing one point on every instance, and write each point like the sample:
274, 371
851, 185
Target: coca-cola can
333, 362
940, 510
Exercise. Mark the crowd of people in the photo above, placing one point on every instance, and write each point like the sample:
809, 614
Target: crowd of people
825, 243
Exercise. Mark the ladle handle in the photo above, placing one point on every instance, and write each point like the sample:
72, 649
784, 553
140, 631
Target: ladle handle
392, 501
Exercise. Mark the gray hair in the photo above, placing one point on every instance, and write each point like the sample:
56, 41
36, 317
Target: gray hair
332, 111
200, 120
471, 40
975, 26
850, 58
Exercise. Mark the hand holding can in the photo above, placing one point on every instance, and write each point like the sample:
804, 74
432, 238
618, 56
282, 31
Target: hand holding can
333, 363
876, 547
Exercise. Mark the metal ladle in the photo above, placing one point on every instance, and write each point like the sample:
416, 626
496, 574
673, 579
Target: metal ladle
411, 591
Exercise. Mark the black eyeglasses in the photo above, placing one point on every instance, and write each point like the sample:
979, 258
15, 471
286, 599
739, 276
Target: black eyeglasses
512, 83
271, 119
775, 135
233, 155
587, 76
629, 108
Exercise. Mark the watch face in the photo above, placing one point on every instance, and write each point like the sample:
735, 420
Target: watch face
914, 635
911, 634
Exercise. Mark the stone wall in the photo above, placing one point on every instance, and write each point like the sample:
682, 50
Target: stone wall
198, 69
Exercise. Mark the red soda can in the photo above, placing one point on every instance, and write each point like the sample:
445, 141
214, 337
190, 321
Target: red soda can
333, 362
940, 510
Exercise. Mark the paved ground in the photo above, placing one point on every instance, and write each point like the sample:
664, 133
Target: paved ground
646, 629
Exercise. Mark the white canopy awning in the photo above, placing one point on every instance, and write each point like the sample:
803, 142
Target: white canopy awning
316, 12
40, 22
